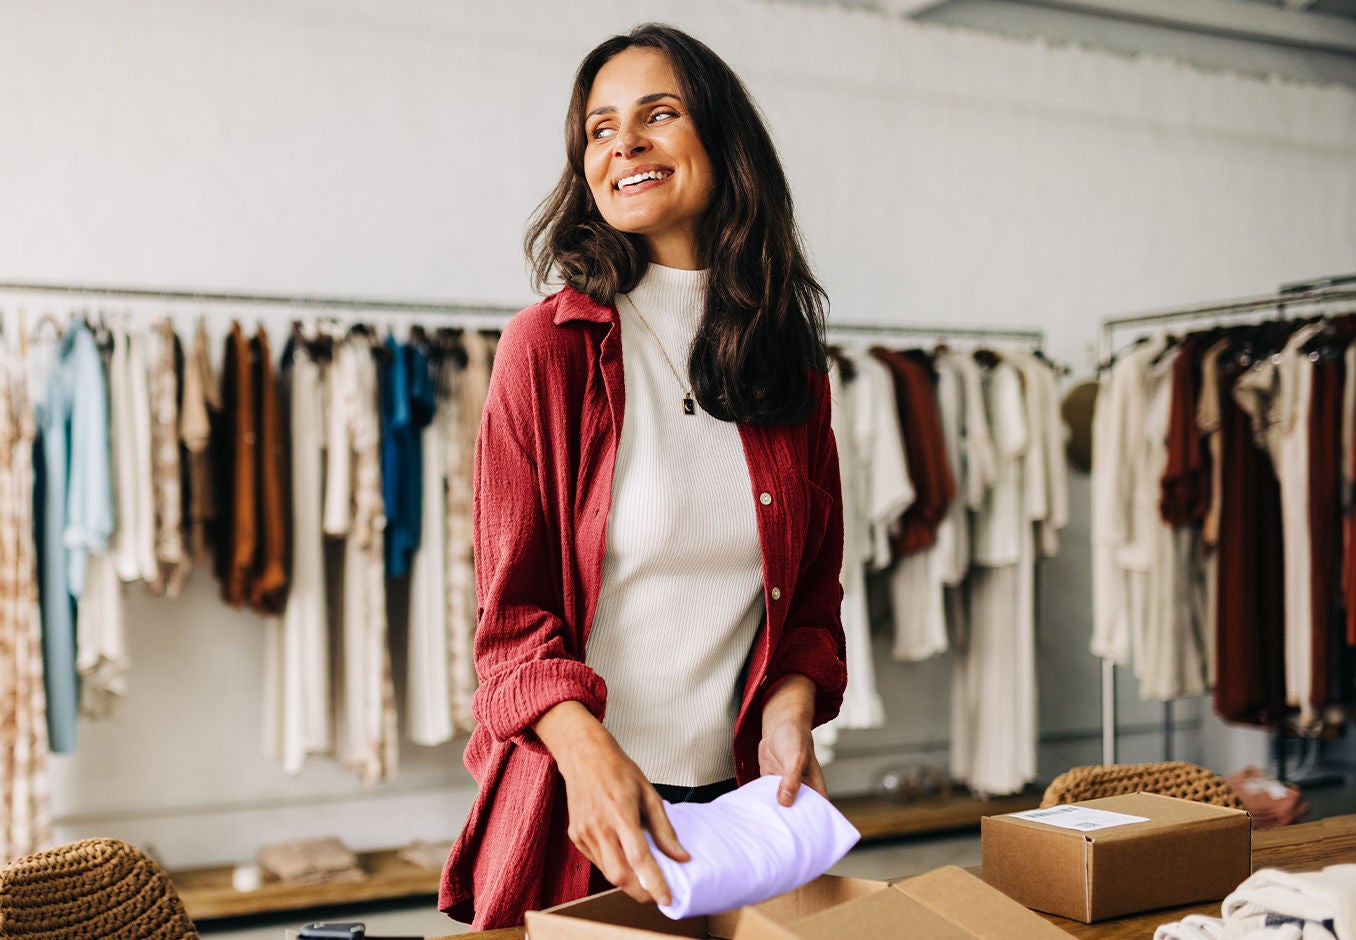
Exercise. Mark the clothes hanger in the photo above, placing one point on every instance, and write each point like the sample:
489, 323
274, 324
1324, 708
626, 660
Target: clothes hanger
847, 369
449, 340
1111, 360
50, 322
1171, 342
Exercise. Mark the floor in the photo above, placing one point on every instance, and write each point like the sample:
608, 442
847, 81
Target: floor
881, 859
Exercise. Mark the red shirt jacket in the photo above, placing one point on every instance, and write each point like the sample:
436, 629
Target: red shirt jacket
543, 489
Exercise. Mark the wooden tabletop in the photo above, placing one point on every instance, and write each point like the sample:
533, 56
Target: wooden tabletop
1304, 847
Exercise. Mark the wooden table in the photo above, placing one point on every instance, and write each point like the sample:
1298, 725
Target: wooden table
1305, 847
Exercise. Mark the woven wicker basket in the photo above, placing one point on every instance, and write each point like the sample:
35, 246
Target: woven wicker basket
1168, 778
98, 889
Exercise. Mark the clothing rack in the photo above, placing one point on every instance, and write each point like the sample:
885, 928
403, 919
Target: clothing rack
493, 315
1035, 338
484, 316
1288, 301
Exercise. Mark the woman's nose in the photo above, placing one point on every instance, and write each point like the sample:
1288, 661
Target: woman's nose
630, 141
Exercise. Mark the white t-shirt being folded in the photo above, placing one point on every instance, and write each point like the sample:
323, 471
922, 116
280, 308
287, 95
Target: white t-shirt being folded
745, 847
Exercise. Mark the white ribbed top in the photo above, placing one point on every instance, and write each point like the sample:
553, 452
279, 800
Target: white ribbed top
682, 578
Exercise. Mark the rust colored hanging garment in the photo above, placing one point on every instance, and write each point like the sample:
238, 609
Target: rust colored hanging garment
1325, 529
268, 583
1186, 479
925, 451
1208, 422
242, 518
1249, 642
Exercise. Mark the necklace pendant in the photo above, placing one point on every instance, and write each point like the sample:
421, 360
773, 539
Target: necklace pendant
689, 406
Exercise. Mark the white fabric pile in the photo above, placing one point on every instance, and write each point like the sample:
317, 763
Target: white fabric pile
1279, 905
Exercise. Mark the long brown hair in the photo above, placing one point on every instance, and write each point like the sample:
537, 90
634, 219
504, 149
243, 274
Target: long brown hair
762, 331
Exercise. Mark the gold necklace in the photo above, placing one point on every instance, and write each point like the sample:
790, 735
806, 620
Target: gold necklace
689, 406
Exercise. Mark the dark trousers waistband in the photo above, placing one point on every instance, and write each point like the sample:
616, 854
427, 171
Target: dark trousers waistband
703, 794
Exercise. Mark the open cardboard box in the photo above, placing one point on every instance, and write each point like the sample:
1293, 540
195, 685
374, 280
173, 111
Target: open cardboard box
944, 904
1182, 852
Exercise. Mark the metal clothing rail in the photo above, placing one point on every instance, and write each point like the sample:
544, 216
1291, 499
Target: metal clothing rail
492, 315
1001, 333
1281, 303
478, 315
1288, 302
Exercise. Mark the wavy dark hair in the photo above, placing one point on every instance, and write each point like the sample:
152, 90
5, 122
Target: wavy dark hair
762, 333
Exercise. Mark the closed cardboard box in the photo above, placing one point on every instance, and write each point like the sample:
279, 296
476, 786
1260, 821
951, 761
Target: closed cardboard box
944, 904
1119, 855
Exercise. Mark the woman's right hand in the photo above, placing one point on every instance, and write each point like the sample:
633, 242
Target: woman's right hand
611, 804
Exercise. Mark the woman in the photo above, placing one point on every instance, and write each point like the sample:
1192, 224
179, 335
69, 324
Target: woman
655, 589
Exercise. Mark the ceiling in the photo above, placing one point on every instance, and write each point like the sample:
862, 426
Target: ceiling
1327, 26
1302, 40
1345, 8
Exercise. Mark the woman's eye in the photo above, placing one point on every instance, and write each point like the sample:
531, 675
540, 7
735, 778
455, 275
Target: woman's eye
663, 114
602, 132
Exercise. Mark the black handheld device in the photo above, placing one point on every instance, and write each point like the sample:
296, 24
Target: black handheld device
342, 930
334, 930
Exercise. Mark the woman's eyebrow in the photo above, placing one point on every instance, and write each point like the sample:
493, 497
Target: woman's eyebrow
644, 99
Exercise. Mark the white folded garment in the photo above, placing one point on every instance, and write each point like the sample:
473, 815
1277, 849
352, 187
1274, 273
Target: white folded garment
1317, 905
745, 847
1191, 927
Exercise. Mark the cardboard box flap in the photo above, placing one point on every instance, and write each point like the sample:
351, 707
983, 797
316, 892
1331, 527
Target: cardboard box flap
1163, 812
625, 919
615, 916
824, 892
887, 913
980, 911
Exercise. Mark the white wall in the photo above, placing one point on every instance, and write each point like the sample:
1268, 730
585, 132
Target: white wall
396, 148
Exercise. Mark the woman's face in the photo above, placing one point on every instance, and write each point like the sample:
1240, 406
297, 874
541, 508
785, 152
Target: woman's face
648, 170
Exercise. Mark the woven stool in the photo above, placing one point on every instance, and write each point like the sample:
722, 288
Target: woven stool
98, 889
1167, 778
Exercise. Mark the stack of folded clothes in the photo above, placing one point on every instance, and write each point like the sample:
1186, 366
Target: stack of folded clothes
426, 854
310, 861
1271, 804
1279, 905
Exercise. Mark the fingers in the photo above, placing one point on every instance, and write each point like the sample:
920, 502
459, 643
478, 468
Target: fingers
649, 879
792, 776
661, 830
814, 778
626, 861
616, 845
617, 869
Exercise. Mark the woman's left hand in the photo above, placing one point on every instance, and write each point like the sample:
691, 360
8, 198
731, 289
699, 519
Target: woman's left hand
787, 748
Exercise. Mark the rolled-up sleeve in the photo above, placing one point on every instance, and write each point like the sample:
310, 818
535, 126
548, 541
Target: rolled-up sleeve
528, 657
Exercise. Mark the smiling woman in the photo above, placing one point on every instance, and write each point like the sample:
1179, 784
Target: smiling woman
659, 595
645, 164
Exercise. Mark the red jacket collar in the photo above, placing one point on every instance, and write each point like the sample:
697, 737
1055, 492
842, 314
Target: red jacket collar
572, 305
